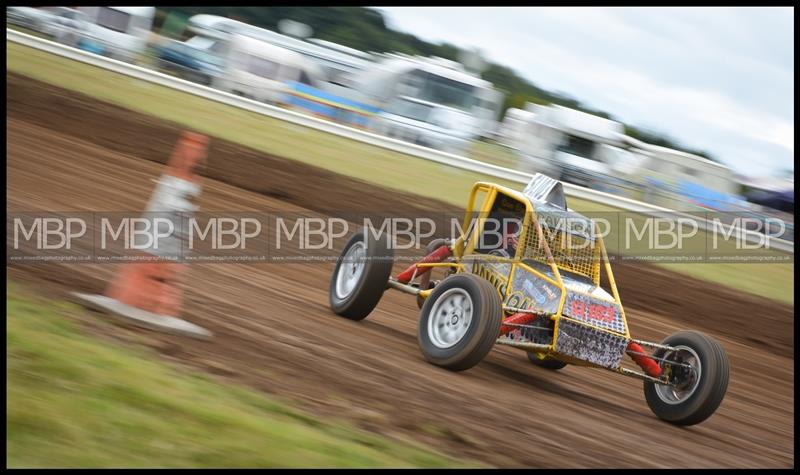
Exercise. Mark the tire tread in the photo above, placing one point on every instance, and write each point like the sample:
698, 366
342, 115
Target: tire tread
695, 410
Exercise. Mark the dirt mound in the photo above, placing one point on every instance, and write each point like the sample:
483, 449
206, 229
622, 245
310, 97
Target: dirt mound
130, 133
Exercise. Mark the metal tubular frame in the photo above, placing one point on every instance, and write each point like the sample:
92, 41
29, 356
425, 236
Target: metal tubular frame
406, 288
467, 242
522, 345
636, 374
658, 346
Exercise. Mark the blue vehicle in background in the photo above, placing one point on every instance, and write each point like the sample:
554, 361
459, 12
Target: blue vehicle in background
188, 62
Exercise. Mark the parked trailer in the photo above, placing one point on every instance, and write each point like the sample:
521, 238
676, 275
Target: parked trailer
336, 61
429, 101
118, 32
262, 71
579, 148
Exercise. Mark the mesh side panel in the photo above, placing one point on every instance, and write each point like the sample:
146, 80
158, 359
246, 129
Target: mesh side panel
570, 252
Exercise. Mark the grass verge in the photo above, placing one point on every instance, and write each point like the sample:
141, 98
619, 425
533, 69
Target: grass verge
73, 401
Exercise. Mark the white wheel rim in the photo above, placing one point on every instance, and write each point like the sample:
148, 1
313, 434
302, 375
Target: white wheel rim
350, 270
450, 317
678, 394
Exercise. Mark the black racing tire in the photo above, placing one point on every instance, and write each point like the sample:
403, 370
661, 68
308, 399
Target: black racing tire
481, 331
701, 402
546, 363
425, 280
367, 288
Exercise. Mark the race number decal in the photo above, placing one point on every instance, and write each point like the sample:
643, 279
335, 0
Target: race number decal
595, 312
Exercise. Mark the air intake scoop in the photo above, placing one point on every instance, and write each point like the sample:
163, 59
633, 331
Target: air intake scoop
543, 189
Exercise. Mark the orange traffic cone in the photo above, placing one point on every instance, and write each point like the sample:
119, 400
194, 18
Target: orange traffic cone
154, 287
149, 294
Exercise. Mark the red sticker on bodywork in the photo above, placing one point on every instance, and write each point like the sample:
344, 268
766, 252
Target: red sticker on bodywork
593, 311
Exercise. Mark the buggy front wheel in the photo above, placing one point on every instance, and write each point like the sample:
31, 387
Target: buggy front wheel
698, 369
460, 322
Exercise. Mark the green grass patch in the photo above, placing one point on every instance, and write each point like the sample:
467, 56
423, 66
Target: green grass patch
372, 164
496, 155
74, 401
773, 281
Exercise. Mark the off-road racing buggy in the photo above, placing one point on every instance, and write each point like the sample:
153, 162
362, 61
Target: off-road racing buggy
540, 285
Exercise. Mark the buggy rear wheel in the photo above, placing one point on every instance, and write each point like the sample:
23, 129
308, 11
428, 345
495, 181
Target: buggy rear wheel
543, 361
700, 381
460, 322
360, 276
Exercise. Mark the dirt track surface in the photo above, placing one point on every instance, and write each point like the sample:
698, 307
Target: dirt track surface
274, 331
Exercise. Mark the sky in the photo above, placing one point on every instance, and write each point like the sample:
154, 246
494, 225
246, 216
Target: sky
714, 79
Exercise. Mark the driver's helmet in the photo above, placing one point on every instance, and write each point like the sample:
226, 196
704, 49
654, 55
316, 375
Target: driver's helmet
511, 237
